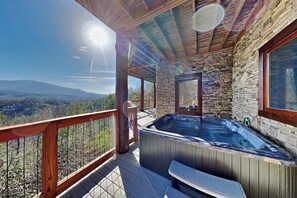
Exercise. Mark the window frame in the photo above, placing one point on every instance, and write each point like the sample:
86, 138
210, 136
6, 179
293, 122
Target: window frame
281, 115
188, 77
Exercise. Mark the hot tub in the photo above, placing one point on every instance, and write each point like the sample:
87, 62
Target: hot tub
220, 147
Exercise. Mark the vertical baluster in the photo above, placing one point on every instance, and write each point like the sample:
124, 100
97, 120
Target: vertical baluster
99, 139
7, 169
111, 132
37, 164
88, 142
24, 165
76, 149
108, 133
104, 133
94, 141
97, 136
83, 139
67, 152
73, 149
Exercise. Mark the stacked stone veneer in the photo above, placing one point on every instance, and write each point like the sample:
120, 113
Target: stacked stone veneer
165, 90
216, 71
278, 15
230, 83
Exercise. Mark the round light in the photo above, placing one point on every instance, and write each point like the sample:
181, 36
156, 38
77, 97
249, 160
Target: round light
97, 36
208, 17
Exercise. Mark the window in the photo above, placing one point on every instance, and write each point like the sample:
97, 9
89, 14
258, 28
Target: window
188, 94
278, 77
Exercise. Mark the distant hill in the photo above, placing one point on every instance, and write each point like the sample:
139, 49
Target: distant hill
33, 89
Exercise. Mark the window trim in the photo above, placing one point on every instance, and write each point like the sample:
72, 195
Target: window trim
187, 77
285, 116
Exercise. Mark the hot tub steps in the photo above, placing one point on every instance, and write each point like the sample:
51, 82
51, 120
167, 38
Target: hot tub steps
206, 183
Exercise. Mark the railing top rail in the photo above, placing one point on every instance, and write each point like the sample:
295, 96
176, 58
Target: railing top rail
146, 99
29, 129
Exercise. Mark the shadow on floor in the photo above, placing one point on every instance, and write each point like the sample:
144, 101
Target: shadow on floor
123, 177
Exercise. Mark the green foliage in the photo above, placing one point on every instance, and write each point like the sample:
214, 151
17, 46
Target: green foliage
77, 145
148, 90
133, 93
18, 111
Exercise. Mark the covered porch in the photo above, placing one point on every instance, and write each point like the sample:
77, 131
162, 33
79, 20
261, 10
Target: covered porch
157, 42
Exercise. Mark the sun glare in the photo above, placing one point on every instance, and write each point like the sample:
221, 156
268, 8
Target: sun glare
98, 36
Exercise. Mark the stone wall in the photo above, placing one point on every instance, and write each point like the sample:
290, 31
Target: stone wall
165, 90
278, 15
216, 68
216, 71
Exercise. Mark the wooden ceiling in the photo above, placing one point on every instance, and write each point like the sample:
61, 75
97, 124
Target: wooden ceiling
162, 30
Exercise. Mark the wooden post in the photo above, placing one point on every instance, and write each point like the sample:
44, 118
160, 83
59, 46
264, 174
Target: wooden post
50, 161
155, 101
135, 127
142, 95
122, 61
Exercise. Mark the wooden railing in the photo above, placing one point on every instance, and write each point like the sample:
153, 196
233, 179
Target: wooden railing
148, 103
186, 102
71, 148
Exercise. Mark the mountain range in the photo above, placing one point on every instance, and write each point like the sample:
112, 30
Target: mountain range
34, 89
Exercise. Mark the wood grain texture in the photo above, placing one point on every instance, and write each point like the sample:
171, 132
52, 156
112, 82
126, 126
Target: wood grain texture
50, 161
122, 54
29, 129
175, 37
79, 174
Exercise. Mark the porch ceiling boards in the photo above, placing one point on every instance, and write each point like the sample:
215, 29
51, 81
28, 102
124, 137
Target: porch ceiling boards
162, 30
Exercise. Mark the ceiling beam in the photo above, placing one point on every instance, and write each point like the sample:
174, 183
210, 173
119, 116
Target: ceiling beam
140, 77
164, 37
150, 69
141, 74
258, 9
146, 36
239, 5
145, 4
150, 40
140, 65
152, 13
139, 60
134, 41
135, 67
147, 70
124, 9
212, 31
210, 40
196, 32
178, 32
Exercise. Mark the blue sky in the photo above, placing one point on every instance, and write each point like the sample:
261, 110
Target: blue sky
48, 41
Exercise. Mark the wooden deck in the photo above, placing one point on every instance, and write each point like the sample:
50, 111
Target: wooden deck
123, 177
145, 117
